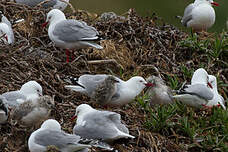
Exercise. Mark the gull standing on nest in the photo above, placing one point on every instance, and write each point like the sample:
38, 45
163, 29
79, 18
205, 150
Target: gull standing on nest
70, 33
199, 15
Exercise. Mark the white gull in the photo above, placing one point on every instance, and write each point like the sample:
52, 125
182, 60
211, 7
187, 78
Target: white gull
199, 15
199, 92
50, 134
70, 33
117, 93
29, 91
101, 125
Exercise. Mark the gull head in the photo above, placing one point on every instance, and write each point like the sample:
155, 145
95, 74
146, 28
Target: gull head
51, 124
53, 16
81, 109
31, 88
200, 76
213, 3
138, 83
212, 80
210, 2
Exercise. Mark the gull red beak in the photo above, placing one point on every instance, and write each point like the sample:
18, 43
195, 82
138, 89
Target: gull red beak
44, 24
73, 118
6, 37
215, 4
209, 84
149, 84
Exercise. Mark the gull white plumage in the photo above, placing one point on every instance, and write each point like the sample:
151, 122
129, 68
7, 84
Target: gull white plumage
199, 15
217, 99
70, 33
6, 31
199, 92
101, 125
50, 133
29, 91
116, 94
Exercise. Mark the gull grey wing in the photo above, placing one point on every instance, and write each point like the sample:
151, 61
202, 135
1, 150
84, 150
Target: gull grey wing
187, 14
12, 97
96, 126
200, 90
90, 82
57, 138
33, 3
73, 30
116, 118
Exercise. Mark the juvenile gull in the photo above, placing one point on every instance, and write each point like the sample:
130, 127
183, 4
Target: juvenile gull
29, 91
50, 134
57, 4
159, 93
199, 92
111, 90
217, 99
31, 113
6, 31
101, 125
70, 33
3, 110
199, 15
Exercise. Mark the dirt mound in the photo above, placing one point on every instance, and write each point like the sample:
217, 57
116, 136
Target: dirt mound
132, 45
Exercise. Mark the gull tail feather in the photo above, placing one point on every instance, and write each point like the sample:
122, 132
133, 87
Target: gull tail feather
75, 88
97, 143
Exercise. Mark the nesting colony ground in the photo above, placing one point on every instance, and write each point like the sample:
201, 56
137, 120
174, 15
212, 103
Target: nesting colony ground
133, 45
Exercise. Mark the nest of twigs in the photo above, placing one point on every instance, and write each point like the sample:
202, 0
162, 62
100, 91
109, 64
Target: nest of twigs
133, 44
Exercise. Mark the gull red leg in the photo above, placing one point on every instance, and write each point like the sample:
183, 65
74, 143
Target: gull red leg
67, 55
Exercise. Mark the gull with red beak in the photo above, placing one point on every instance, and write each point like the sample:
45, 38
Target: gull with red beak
109, 90
199, 15
6, 31
199, 92
217, 99
70, 33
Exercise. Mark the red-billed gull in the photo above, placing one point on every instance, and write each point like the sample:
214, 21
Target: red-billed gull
117, 93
